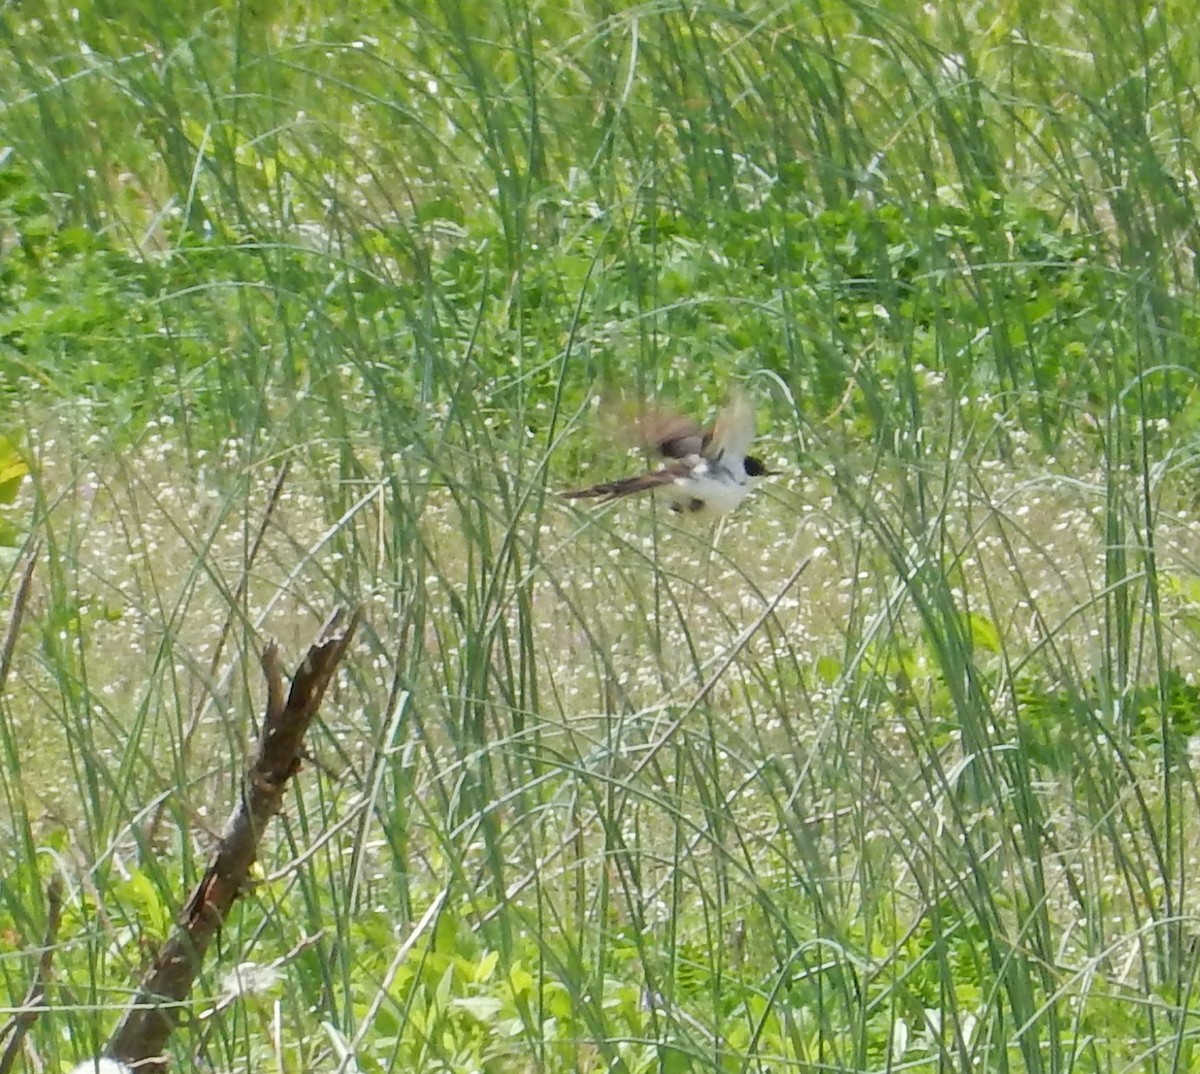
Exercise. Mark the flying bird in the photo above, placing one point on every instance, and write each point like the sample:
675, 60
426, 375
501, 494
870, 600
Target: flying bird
706, 470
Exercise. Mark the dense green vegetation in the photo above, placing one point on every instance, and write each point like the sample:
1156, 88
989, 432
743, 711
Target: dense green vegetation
899, 773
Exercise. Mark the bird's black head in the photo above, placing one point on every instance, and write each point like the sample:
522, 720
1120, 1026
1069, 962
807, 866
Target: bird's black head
755, 468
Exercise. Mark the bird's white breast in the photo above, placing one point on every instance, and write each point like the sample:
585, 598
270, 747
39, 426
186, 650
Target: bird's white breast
720, 489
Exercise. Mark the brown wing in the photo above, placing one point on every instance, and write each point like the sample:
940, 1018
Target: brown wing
658, 430
627, 486
673, 436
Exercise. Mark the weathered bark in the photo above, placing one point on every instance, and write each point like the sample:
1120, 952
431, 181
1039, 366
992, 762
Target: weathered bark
141, 1036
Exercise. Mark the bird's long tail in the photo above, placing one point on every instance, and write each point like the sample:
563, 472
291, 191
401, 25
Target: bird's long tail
614, 490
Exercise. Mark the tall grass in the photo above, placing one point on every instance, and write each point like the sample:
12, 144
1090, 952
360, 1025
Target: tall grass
609, 790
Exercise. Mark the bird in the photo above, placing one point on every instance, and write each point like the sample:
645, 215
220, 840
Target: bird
706, 471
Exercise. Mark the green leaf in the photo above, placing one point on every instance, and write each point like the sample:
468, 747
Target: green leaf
486, 966
13, 470
482, 1008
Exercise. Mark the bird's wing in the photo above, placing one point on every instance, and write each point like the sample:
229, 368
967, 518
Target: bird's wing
626, 486
671, 435
656, 430
733, 431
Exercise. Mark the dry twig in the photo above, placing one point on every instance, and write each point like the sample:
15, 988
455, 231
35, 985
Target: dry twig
141, 1037
20, 602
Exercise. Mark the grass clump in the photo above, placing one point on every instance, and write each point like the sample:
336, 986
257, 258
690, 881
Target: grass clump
611, 791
